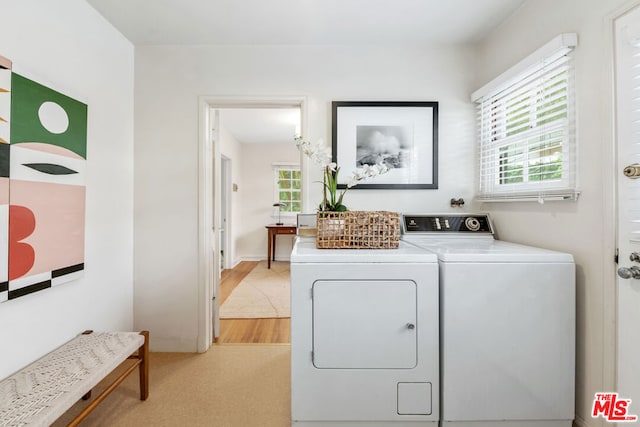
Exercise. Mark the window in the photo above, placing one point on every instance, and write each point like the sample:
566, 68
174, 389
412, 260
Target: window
527, 128
287, 186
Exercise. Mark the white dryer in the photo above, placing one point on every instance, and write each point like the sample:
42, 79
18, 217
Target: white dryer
364, 336
507, 325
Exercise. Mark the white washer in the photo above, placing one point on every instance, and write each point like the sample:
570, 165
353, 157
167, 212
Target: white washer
364, 336
507, 325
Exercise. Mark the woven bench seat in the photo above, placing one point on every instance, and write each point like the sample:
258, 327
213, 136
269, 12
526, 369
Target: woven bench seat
40, 393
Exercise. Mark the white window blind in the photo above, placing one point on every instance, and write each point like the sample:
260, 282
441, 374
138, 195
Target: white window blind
526, 125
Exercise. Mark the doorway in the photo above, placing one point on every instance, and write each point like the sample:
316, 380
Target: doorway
254, 295
226, 255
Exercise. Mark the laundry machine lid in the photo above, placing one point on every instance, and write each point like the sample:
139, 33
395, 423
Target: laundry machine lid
470, 238
305, 251
489, 250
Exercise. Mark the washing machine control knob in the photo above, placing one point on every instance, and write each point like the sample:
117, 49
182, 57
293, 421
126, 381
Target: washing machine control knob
472, 224
629, 273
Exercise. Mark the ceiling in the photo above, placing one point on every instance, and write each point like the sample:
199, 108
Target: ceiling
299, 22
146, 22
261, 125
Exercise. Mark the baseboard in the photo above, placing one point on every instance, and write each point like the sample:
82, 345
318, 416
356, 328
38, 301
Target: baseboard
261, 258
251, 258
580, 422
235, 263
172, 345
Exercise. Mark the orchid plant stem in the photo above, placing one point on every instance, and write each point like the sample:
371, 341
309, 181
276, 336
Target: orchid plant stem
331, 201
324, 190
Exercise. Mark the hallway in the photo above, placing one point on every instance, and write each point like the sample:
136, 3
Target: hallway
249, 331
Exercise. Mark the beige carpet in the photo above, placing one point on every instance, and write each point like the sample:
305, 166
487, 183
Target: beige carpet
231, 385
264, 293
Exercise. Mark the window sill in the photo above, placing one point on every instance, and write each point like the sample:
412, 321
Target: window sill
569, 195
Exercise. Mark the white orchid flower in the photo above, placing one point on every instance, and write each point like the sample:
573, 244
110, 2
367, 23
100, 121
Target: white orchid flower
320, 154
352, 181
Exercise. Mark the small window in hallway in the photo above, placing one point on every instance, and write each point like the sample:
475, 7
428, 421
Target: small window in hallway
287, 184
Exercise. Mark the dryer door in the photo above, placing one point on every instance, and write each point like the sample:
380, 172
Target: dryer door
364, 324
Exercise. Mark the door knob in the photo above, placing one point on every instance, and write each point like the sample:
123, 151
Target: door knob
629, 273
632, 171
412, 326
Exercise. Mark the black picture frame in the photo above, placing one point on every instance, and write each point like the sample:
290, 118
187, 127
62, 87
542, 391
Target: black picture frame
401, 134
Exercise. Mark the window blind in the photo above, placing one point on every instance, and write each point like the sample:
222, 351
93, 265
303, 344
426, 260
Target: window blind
526, 128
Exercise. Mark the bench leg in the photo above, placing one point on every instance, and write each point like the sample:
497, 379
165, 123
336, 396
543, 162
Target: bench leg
144, 366
88, 395
142, 363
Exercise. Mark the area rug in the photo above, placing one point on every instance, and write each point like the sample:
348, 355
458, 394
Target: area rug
263, 293
249, 383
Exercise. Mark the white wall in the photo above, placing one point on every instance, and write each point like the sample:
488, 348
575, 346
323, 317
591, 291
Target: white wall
68, 46
257, 195
583, 228
169, 80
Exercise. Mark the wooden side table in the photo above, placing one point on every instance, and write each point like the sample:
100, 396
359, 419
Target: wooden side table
273, 231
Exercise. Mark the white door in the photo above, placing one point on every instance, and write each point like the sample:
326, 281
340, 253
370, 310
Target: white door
627, 64
216, 177
224, 200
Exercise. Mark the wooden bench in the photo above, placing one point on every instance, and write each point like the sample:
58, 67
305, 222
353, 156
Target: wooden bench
40, 393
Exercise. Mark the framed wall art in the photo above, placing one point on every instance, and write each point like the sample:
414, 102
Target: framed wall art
401, 134
43, 151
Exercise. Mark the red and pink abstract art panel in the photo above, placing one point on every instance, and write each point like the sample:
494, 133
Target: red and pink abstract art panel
43, 142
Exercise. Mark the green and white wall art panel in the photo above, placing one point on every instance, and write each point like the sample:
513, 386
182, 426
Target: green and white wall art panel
43, 150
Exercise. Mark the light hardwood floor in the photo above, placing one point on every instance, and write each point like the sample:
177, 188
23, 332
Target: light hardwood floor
249, 331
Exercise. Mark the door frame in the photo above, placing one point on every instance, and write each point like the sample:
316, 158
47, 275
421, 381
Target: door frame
209, 194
